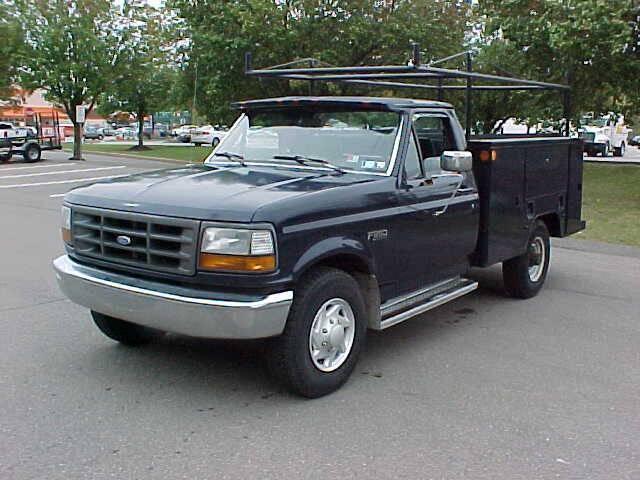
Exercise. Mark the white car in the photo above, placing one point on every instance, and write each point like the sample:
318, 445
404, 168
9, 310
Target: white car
182, 130
207, 135
125, 133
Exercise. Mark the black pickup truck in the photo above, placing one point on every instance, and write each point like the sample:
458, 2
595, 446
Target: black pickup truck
315, 219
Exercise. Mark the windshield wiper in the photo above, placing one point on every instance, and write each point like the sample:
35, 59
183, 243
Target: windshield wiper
231, 156
302, 160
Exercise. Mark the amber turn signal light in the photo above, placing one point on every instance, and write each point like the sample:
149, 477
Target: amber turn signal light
237, 263
486, 155
66, 235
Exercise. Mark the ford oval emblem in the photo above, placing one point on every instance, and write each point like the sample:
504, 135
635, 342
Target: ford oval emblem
123, 240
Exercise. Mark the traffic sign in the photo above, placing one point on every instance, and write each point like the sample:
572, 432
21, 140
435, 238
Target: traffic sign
80, 113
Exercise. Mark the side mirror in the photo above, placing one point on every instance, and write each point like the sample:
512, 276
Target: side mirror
456, 161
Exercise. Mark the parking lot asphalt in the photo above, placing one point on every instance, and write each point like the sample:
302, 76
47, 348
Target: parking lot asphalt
485, 387
631, 156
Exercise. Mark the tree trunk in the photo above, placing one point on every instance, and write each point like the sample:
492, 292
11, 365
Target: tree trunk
140, 130
77, 141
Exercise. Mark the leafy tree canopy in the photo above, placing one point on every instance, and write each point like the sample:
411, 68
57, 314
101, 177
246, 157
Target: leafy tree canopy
10, 46
73, 49
140, 86
340, 32
590, 44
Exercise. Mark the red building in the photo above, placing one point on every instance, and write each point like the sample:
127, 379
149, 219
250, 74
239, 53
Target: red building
24, 106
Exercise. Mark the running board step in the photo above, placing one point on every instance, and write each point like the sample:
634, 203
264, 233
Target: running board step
442, 293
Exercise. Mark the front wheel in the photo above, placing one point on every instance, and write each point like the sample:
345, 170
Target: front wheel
122, 331
324, 335
605, 150
524, 276
215, 142
619, 151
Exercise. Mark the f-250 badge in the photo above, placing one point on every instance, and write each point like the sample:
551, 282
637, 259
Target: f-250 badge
376, 235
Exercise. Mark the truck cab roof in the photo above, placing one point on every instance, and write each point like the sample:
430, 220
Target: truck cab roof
375, 103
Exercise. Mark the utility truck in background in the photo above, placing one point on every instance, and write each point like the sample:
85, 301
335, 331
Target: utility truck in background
29, 142
604, 135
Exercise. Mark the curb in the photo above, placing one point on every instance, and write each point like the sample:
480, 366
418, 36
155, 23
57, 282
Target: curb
596, 247
613, 162
137, 157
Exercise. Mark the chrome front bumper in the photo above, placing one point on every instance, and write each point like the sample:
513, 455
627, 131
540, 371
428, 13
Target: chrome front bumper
172, 309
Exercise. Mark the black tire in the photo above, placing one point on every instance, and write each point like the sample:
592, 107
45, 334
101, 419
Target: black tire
215, 142
124, 332
605, 150
289, 356
32, 153
100, 137
518, 281
197, 144
619, 151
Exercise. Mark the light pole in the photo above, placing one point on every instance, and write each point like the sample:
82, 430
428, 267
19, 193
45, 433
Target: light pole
195, 92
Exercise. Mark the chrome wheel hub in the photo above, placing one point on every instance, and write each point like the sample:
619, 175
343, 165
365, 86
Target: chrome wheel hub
331, 336
537, 257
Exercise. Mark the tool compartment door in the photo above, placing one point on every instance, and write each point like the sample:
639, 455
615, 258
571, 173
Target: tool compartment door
546, 179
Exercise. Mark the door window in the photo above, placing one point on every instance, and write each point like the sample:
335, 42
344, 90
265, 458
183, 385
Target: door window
412, 160
434, 137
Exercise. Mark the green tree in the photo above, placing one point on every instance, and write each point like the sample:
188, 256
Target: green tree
10, 47
589, 44
491, 109
339, 32
140, 87
72, 51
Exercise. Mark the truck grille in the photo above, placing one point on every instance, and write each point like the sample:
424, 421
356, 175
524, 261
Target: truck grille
165, 244
588, 136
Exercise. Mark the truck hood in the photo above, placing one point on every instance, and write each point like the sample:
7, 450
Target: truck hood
207, 192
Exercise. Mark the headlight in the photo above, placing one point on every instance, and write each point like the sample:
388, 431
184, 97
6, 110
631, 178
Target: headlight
237, 250
66, 224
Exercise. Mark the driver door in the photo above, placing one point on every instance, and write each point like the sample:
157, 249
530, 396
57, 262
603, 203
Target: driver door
438, 226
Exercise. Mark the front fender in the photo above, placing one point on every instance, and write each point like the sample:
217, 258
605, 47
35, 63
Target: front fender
332, 247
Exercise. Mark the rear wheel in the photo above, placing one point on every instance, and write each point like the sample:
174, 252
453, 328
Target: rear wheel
524, 276
605, 150
324, 334
122, 331
32, 153
215, 142
619, 151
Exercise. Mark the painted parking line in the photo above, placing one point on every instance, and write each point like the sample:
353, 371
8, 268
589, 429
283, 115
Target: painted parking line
60, 172
53, 165
58, 182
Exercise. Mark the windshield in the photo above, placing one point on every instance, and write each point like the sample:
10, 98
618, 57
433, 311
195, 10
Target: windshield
352, 140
